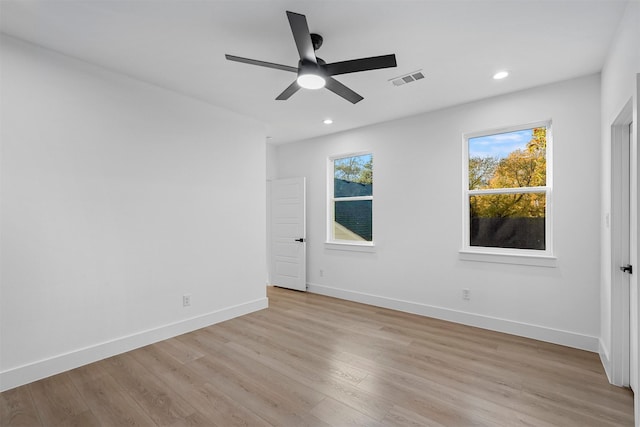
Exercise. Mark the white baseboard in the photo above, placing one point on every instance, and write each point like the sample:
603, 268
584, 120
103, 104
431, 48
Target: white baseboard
604, 359
28, 373
541, 333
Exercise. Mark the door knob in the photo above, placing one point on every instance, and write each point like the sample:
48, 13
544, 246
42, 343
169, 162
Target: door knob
626, 269
300, 240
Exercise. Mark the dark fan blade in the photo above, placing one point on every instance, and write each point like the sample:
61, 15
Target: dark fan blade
261, 63
364, 64
302, 37
341, 90
286, 94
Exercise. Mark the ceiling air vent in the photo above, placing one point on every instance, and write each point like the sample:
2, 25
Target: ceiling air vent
407, 78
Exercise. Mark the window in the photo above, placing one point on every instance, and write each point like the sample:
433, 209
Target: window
507, 194
350, 210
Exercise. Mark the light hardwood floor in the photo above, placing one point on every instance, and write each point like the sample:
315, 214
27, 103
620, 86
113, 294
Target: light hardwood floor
314, 360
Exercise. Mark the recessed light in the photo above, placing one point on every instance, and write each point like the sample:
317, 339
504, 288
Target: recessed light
500, 75
327, 121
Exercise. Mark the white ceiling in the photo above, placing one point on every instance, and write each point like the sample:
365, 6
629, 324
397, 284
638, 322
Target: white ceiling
459, 45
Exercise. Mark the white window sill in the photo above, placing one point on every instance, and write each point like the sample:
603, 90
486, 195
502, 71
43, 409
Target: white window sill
352, 247
509, 258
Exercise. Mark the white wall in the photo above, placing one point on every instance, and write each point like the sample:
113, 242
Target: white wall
619, 85
272, 165
118, 197
418, 218
272, 174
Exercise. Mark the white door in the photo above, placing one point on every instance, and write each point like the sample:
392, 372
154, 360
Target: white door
288, 233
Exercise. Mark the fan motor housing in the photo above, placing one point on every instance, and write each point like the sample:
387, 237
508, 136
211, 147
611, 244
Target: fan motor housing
316, 40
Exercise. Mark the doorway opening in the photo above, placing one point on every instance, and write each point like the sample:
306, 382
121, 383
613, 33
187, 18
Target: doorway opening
622, 341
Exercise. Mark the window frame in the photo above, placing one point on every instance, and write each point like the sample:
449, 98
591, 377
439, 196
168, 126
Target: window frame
331, 242
544, 258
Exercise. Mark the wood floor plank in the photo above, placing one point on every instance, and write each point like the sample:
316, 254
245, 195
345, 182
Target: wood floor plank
17, 408
107, 400
280, 384
312, 360
83, 419
60, 397
323, 381
336, 413
438, 402
216, 408
159, 402
402, 417
276, 341
155, 359
250, 394
180, 351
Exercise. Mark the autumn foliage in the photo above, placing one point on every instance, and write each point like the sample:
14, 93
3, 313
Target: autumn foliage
521, 168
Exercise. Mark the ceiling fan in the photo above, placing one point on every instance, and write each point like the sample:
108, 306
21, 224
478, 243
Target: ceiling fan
313, 72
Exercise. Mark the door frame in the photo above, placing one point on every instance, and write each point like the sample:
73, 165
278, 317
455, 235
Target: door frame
621, 227
635, 237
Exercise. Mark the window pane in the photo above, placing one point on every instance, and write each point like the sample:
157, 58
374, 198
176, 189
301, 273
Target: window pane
508, 160
508, 220
353, 176
353, 220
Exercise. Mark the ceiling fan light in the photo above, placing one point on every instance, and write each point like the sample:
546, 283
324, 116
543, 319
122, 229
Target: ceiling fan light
500, 75
311, 81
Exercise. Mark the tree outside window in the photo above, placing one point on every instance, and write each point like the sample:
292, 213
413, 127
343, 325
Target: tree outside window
508, 189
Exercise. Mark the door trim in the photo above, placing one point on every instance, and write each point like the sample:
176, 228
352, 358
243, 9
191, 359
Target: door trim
620, 245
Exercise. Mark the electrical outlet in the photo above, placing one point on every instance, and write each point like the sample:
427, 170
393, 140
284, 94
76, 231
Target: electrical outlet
466, 294
186, 300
